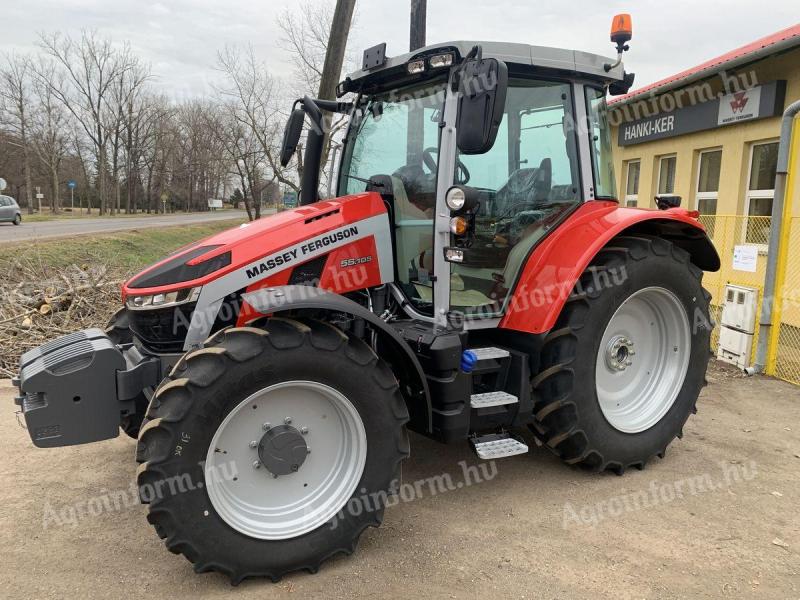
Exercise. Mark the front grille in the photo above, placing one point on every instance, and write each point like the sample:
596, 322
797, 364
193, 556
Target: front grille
162, 329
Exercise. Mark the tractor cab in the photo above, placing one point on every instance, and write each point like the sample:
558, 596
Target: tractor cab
479, 150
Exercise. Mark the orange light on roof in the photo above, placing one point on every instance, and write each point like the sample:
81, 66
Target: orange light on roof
621, 28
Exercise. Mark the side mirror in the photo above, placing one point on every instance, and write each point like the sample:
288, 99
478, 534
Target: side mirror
291, 135
667, 201
483, 84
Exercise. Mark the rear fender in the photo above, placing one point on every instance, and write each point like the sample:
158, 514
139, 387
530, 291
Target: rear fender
394, 350
554, 266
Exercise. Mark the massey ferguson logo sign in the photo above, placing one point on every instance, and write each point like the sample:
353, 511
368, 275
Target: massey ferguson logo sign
739, 106
739, 102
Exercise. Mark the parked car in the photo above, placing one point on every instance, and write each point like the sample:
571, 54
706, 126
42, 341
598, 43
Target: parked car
9, 210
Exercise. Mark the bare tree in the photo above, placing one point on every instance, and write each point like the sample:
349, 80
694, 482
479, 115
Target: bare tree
316, 38
256, 106
124, 93
49, 125
15, 95
92, 68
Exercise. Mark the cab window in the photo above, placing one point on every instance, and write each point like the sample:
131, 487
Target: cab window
527, 182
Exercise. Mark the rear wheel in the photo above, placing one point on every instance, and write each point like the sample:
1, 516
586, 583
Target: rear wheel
286, 439
623, 367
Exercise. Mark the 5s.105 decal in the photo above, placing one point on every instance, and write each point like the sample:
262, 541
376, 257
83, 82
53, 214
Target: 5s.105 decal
352, 262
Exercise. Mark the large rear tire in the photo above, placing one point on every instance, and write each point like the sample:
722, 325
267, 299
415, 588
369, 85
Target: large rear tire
623, 367
232, 423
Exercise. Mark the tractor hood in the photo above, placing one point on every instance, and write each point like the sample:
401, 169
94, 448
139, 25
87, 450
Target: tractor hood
242, 248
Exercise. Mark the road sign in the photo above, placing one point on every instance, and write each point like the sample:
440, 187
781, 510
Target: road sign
72, 184
3, 184
39, 196
214, 203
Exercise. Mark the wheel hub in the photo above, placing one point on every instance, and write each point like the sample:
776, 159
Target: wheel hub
619, 353
282, 450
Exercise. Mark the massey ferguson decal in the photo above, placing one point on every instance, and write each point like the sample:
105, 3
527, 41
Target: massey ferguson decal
371, 237
283, 260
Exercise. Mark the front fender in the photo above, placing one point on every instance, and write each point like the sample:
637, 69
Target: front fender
403, 361
554, 266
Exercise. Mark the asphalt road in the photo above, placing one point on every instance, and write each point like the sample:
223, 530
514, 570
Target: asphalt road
717, 518
74, 227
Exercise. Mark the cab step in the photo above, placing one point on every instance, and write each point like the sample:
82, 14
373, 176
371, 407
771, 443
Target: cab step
489, 399
497, 445
490, 353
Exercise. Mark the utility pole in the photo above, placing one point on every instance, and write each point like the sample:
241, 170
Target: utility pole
334, 53
419, 10
416, 123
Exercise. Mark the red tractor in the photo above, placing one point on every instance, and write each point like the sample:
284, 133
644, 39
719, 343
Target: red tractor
475, 276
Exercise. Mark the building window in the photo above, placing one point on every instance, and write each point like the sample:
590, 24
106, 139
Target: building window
760, 192
708, 171
634, 168
666, 174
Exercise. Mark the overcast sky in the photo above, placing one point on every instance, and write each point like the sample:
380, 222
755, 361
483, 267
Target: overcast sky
180, 37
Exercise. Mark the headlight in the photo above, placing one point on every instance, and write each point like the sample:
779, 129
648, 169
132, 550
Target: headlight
166, 300
416, 66
455, 198
441, 60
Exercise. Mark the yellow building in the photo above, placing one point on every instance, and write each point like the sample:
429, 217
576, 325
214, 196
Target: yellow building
710, 134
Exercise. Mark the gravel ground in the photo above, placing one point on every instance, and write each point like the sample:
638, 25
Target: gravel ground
716, 518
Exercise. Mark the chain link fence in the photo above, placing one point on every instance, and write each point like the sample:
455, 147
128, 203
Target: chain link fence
729, 231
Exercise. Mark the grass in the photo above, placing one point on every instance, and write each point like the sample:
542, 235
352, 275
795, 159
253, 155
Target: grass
124, 252
46, 215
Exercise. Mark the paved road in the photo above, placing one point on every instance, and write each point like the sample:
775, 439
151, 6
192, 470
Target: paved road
72, 227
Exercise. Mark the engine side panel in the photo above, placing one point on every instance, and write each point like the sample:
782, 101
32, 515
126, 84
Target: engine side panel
555, 265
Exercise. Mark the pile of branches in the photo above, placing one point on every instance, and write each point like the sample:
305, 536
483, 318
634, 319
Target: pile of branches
38, 304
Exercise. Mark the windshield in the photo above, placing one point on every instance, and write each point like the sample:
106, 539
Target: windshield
396, 135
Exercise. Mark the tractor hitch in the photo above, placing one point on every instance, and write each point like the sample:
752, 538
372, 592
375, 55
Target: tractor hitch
76, 388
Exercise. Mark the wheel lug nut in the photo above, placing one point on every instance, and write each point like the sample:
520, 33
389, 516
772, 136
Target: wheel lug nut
256, 464
253, 444
287, 420
266, 426
304, 430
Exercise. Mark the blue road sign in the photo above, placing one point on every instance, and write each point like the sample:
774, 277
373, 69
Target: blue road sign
72, 184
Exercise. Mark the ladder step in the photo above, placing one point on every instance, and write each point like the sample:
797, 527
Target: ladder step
490, 353
498, 446
492, 399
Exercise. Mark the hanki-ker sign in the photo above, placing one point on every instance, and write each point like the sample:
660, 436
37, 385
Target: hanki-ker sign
758, 102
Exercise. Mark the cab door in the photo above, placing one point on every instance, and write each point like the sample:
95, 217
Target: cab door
527, 182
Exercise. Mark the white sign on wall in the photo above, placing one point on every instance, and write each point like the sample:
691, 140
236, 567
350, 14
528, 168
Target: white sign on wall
739, 106
745, 258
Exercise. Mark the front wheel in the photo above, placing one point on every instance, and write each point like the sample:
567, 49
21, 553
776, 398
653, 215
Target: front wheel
17, 219
624, 365
271, 450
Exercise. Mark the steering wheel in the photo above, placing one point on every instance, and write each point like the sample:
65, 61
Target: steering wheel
462, 173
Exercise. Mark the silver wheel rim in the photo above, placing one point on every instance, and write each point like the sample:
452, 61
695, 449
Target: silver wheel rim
643, 359
252, 500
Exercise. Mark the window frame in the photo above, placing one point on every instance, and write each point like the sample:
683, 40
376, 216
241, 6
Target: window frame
632, 200
698, 195
750, 195
661, 160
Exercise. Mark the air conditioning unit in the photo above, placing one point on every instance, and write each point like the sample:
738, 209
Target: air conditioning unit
737, 325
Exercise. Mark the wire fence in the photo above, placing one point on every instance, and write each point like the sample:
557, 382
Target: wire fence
731, 231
